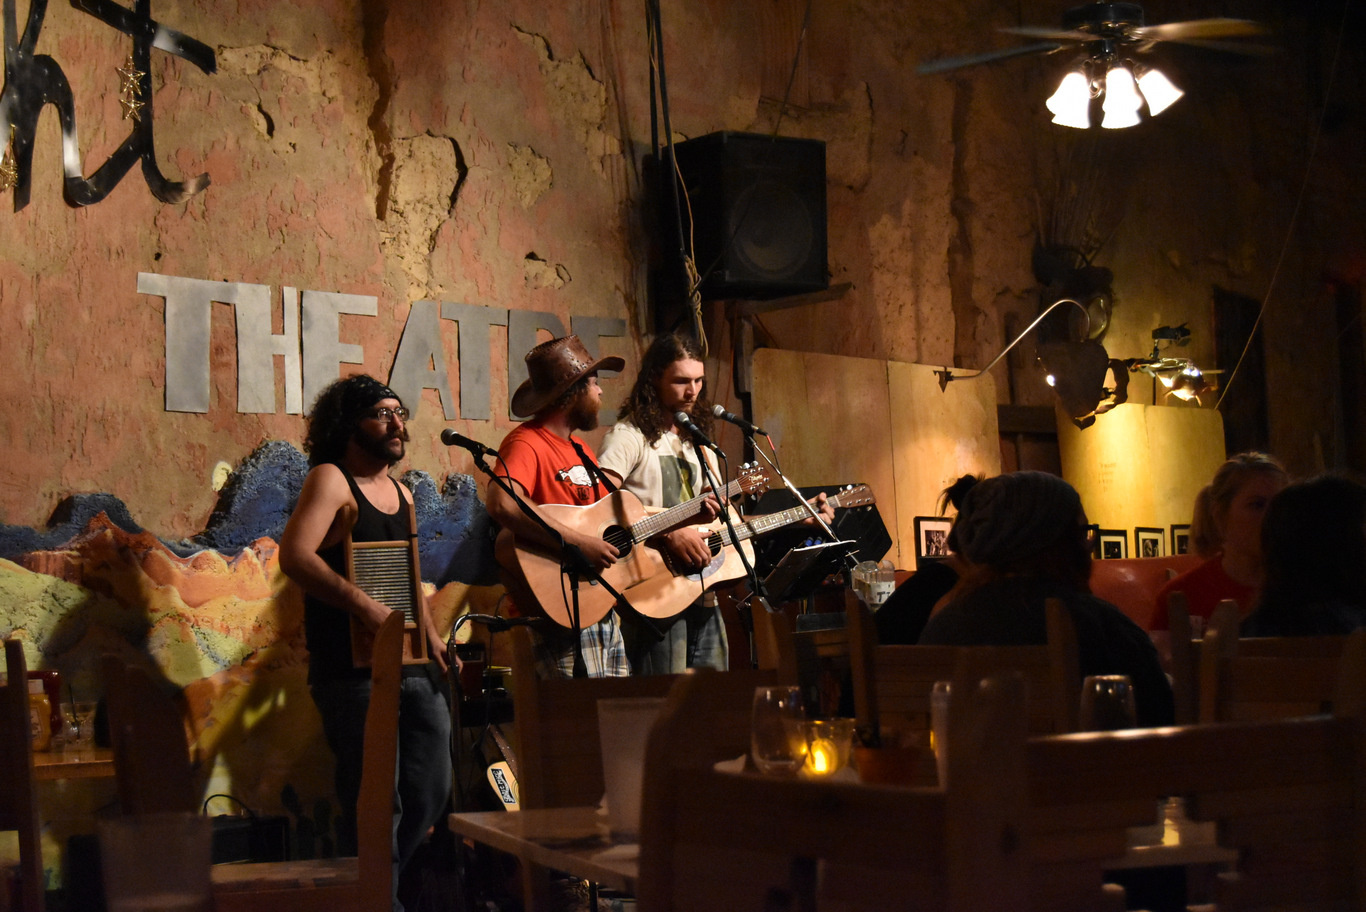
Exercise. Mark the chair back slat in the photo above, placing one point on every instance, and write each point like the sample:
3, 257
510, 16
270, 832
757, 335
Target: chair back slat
1250, 678
19, 795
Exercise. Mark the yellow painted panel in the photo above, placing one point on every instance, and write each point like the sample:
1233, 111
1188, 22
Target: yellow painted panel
1142, 465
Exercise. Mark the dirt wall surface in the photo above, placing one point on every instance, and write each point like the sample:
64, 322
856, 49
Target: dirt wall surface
491, 154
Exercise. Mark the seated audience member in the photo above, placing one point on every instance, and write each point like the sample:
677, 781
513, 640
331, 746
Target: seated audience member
902, 617
1024, 538
1226, 530
1314, 557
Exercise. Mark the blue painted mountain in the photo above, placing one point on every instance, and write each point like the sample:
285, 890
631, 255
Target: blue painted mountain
454, 533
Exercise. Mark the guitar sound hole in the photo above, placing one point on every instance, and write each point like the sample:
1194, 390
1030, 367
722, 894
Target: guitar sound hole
618, 538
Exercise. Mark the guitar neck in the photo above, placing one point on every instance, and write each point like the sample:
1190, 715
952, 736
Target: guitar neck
651, 526
767, 523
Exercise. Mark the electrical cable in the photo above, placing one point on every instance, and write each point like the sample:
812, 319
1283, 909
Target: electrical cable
1295, 213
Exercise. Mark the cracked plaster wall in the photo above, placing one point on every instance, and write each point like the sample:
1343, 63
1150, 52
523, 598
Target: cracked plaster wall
491, 154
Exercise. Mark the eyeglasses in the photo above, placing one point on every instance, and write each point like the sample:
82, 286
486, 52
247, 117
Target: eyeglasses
384, 414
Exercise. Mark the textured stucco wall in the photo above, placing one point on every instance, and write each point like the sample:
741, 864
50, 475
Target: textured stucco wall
491, 154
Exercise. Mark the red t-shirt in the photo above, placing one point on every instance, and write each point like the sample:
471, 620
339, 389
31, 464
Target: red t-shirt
546, 465
1204, 587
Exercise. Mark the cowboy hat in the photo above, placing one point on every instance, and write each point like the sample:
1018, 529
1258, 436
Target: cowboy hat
554, 367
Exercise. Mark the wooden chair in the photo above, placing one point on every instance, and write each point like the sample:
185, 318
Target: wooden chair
818, 660
360, 884
558, 751
18, 795
145, 722
1184, 673
739, 841
892, 684
1288, 798
152, 761
1250, 678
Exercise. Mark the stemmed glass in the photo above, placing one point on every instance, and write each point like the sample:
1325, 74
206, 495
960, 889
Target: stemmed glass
777, 739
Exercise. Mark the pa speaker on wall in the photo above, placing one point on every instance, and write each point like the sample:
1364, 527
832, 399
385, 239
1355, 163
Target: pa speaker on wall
758, 213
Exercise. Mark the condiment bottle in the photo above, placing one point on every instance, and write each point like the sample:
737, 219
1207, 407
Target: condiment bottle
39, 715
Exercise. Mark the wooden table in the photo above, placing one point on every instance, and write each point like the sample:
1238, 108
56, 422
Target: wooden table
91, 763
574, 840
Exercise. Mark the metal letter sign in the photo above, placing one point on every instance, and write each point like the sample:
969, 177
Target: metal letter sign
33, 81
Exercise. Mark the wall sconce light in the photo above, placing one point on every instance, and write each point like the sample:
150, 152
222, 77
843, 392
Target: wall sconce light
1075, 370
1125, 87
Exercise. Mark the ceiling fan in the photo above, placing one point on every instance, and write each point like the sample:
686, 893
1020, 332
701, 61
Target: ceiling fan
1109, 35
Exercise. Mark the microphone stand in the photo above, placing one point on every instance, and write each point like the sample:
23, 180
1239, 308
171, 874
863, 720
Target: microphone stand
746, 619
572, 561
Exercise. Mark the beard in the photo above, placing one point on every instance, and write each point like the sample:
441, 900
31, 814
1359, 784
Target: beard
380, 447
583, 412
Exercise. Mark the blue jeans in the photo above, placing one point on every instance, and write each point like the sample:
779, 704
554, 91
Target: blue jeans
423, 770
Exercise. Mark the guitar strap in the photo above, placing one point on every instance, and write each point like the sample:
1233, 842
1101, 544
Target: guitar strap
594, 470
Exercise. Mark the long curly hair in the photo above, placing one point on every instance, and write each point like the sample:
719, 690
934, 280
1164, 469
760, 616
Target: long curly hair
336, 414
643, 407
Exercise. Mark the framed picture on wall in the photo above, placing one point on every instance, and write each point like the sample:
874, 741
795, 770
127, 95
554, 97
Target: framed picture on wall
1093, 538
1114, 544
1181, 538
1149, 542
931, 539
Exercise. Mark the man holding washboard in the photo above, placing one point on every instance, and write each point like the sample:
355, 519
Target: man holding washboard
356, 434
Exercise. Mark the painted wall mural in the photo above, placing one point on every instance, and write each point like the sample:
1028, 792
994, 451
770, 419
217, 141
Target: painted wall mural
214, 617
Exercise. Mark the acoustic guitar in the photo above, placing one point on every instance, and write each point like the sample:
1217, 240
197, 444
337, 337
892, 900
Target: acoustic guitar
666, 593
537, 581
643, 575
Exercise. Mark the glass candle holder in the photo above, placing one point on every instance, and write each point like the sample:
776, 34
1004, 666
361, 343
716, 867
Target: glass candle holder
828, 743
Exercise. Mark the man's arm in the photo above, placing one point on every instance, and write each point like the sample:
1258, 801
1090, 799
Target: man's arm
321, 519
503, 510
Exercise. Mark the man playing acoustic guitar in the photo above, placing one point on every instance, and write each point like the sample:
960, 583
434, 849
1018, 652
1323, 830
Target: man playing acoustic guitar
646, 454
546, 464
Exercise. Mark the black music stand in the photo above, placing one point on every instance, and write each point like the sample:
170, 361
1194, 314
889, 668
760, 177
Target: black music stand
862, 525
802, 569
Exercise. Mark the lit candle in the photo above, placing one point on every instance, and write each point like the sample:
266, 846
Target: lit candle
823, 756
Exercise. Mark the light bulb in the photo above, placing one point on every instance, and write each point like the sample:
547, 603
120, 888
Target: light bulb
1158, 91
1071, 103
1122, 100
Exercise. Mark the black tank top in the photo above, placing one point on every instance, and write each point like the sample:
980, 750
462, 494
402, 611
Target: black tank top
327, 629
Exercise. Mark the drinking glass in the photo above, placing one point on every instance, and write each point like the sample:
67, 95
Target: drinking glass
1107, 703
777, 738
939, 727
84, 714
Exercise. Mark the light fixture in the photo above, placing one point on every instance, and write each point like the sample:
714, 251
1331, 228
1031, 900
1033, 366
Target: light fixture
1125, 87
1157, 90
1071, 103
1122, 100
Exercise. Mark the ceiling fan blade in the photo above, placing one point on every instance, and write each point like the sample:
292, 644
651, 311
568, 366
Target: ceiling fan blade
944, 64
1051, 34
1198, 29
1229, 47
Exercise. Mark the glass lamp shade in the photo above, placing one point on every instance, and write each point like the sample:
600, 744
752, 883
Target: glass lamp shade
1158, 91
1071, 103
1122, 100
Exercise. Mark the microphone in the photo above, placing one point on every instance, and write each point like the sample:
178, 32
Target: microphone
682, 420
451, 437
736, 420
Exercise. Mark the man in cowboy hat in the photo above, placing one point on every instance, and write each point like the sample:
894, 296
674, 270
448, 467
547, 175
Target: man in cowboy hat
356, 433
546, 464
